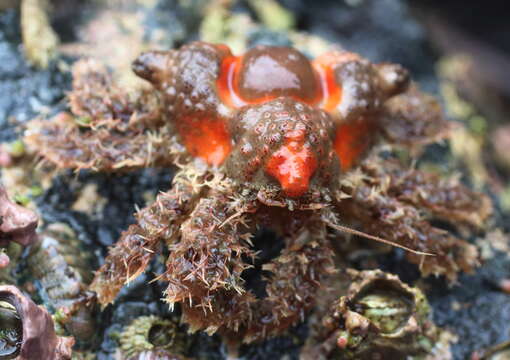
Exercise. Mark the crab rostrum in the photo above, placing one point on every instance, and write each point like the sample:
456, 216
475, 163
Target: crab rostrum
267, 139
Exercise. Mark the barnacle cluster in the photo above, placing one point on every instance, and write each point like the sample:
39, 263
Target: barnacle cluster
11, 332
17, 230
267, 139
25, 328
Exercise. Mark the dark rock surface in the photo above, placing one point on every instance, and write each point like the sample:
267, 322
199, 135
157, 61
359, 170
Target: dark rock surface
24, 91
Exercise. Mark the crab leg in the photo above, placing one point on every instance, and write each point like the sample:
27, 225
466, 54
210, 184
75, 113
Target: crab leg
292, 286
205, 275
204, 269
296, 276
382, 215
65, 145
445, 199
413, 119
130, 256
109, 128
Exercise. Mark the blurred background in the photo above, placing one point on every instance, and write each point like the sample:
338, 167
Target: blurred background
457, 50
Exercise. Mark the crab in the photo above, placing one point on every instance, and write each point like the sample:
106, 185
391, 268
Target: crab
267, 139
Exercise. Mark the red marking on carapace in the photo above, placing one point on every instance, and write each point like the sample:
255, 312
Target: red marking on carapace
206, 138
325, 66
352, 140
225, 84
293, 164
331, 91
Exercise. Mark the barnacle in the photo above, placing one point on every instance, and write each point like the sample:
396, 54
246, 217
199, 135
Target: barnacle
379, 317
150, 337
11, 334
382, 315
29, 330
266, 139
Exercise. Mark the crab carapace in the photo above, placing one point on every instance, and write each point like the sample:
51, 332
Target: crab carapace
272, 114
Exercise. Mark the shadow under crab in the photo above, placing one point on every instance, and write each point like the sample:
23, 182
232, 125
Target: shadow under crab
266, 139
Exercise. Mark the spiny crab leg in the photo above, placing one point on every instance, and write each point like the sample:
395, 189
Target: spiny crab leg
98, 101
130, 256
207, 261
108, 129
446, 199
296, 276
380, 213
63, 143
413, 119
205, 274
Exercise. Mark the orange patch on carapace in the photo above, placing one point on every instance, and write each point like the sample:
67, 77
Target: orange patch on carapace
206, 138
225, 83
293, 164
331, 91
352, 140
